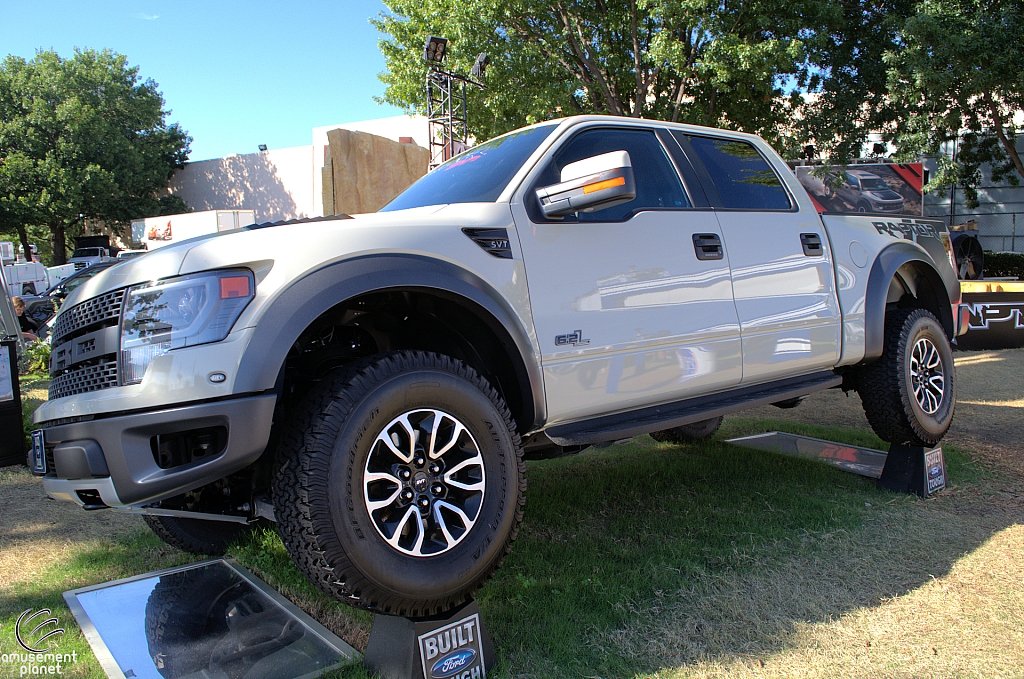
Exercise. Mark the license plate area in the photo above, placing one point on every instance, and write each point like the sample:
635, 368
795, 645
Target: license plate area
38, 457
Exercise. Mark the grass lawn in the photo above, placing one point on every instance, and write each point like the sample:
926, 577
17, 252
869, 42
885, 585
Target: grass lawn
647, 559
33, 392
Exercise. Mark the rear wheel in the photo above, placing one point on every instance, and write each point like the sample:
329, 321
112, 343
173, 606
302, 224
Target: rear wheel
910, 392
688, 433
400, 486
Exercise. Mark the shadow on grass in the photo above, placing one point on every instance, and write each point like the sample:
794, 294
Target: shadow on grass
648, 557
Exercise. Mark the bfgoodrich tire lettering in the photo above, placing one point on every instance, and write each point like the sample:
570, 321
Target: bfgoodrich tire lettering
319, 486
910, 392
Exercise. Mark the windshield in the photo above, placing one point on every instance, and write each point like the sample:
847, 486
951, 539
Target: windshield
873, 184
476, 176
72, 282
87, 252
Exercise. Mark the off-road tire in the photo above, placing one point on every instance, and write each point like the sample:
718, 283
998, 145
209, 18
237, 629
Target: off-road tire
886, 389
318, 484
689, 433
196, 536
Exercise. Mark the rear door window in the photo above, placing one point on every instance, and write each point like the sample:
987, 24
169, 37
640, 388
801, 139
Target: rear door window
743, 178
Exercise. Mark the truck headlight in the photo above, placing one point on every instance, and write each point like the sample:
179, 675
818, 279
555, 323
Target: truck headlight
179, 312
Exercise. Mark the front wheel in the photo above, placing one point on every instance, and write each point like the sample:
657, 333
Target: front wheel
400, 485
910, 392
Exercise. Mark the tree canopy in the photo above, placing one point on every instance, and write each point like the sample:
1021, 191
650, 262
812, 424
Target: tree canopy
959, 72
82, 138
741, 64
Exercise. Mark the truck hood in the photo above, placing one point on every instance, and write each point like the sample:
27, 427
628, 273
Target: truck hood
151, 266
297, 247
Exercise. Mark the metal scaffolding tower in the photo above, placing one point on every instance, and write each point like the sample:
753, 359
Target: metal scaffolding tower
447, 129
446, 115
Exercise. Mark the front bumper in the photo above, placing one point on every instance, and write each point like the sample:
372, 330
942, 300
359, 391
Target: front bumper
114, 456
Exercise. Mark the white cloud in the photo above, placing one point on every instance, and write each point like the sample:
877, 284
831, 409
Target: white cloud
147, 17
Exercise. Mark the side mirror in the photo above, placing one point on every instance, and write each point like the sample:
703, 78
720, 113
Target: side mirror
590, 184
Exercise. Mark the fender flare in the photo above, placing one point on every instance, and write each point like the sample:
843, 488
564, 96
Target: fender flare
885, 268
302, 302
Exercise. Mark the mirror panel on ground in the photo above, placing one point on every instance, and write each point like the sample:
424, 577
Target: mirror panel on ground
862, 461
210, 620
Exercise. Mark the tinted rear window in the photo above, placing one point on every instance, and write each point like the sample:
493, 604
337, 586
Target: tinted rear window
476, 176
743, 178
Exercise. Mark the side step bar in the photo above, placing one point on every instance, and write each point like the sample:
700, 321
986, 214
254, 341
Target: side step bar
645, 420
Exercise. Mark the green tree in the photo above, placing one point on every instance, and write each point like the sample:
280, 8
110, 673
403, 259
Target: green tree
845, 81
700, 61
82, 138
959, 69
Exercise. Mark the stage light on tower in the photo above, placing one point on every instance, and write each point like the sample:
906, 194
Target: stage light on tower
480, 66
434, 50
447, 124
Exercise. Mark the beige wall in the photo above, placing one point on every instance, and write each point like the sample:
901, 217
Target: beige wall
393, 128
289, 183
277, 184
363, 172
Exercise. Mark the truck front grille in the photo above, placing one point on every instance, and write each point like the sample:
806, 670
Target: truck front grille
81, 379
100, 371
91, 312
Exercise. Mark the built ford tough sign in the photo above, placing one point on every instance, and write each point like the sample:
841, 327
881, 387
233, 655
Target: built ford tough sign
377, 390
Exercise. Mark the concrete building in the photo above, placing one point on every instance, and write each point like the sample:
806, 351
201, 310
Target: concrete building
280, 183
1000, 211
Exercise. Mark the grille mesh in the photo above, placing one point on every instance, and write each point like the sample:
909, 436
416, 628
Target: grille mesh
82, 379
89, 312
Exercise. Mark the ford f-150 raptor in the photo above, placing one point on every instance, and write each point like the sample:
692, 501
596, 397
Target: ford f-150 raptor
376, 391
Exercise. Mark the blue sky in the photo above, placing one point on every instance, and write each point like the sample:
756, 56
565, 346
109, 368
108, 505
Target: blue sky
234, 74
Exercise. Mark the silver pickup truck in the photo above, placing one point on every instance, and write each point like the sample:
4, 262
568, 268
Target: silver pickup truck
374, 383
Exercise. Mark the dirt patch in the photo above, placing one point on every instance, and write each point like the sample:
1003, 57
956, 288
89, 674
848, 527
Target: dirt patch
36, 531
989, 417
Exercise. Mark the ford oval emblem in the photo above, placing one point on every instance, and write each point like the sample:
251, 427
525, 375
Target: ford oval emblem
452, 663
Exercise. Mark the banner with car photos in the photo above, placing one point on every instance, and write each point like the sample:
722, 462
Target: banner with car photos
882, 188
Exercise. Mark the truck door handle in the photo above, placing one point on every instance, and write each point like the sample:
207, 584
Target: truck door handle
812, 244
707, 246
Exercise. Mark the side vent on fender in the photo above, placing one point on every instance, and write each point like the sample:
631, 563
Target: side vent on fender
494, 241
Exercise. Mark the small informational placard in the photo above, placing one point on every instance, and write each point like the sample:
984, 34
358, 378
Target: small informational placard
935, 468
454, 650
914, 469
6, 380
453, 645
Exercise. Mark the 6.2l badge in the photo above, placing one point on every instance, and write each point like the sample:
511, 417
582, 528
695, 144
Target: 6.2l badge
574, 338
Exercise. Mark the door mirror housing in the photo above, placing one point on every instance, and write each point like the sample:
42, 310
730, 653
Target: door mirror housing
590, 184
